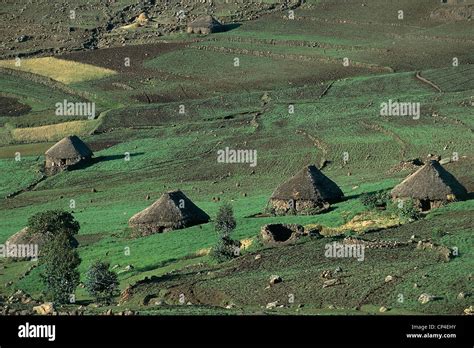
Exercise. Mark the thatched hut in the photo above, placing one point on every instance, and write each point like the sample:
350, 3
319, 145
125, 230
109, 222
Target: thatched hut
172, 211
204, 25
65, 153
308, 192
430, 187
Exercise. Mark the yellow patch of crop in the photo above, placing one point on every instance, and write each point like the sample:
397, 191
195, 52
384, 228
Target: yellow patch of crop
61, 70
53, 132
360, 223
203, 252
246, 243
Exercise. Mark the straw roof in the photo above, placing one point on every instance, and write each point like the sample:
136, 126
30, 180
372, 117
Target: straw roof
430, 182
24, 237
69, 147
309, 184
173, 210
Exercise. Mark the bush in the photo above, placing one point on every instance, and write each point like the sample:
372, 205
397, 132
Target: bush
226, 248
408, 210
60, 261
101, 283
375, 200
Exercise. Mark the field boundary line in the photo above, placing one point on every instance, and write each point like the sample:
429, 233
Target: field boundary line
294, 57
425, 80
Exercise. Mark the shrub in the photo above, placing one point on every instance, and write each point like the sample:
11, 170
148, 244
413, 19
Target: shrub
101, 283
225, 221
375, 200
60, 261
408, 210
226, 248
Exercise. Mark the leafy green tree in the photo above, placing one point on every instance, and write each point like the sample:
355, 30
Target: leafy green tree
226, 248
101, 283
225, 221
60, 261
52, 223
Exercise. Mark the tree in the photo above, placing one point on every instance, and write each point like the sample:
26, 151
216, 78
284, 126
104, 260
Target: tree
226, 248
225, 221
101, 283
60, 261
52, 223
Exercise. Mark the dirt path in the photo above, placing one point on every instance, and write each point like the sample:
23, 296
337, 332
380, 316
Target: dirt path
323, 147
428, 82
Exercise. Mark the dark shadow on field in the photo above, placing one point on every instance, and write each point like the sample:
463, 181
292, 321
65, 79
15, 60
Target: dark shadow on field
358, 195
87, 164
469, 196
155, 265
228, 27
115, 157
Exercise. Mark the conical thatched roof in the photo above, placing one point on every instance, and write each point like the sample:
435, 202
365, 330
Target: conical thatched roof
24, 237
172, 211
309, 184
69, 147
430, 182
205, 21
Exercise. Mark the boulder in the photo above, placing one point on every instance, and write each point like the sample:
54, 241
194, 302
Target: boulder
275, 279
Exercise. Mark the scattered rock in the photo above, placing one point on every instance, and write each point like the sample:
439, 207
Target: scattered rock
389, 278
462, 296
469, 310
275, 279
330, 282
383, 309
326, 274
425, 298
258, 257
46, 308
445, 160
271, 305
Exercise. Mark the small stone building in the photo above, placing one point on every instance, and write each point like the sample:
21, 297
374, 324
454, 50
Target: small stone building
430, 187
204, 25
308, 192
172, 211
67, 152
